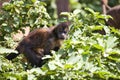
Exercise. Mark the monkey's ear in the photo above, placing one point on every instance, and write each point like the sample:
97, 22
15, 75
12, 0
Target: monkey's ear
64, 24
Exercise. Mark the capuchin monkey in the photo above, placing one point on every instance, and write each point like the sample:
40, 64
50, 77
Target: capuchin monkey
112, 11
40, 42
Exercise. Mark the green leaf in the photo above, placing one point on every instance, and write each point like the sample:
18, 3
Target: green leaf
97, 27
33, 1
4, 24
17, 10
98, 47
52, 65
6, 6
77, 11
73, 59
111, 42
90, 10
6, 50
68, 66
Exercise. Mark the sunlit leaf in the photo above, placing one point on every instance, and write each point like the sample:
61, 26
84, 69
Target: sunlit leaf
111, 42
6, 50
76, 11
52, 66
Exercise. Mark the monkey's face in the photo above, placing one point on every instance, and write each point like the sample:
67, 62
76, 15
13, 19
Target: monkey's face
62, 33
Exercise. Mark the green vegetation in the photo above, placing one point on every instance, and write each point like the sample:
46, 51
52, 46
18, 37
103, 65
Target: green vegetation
85, 55
20, 14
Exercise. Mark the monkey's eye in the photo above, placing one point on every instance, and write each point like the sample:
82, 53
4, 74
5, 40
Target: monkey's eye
65, 32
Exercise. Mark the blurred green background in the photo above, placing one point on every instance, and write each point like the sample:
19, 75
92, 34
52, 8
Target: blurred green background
93, 4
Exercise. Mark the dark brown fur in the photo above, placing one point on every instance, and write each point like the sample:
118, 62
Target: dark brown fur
114, 12
39, 43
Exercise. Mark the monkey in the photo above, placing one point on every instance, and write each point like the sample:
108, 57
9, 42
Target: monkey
40, 42
112, 11
115, 13
105, 6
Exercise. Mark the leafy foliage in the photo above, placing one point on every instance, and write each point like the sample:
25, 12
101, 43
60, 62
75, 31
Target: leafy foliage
90, 55
85, 55
19, 14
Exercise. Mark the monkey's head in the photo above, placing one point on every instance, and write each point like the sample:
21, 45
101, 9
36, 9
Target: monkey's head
61, 30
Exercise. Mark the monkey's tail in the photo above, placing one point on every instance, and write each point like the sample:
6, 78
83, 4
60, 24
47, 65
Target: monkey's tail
12, 56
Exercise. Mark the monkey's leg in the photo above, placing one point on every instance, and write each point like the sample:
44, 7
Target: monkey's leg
32, 57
